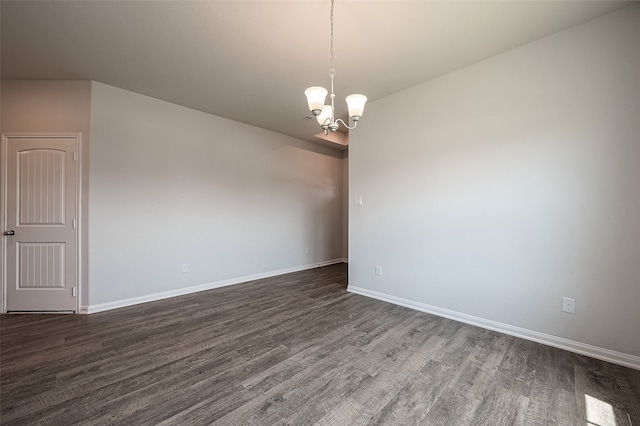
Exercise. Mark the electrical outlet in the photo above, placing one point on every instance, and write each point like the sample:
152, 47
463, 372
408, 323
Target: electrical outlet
307, 251
568, 305
379, 270
185, 267
357, 200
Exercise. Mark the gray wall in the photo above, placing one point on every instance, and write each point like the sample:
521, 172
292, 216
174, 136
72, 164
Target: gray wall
37, 106
345, 206
495, 190
170, 185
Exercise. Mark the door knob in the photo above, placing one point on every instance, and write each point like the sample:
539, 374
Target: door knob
11, 232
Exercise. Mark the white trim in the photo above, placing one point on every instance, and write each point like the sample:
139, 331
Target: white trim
80, 229
101, 307
3, 224
615, 357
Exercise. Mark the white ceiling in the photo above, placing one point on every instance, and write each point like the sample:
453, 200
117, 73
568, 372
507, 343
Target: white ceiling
251, 61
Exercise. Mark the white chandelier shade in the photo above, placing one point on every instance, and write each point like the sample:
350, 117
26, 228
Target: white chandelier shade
325, 116
355, 103
315, 97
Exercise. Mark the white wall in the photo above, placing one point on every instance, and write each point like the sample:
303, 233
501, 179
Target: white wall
46, 107
495, 190
171, 185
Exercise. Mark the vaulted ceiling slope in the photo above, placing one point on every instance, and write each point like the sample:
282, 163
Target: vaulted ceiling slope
251, 61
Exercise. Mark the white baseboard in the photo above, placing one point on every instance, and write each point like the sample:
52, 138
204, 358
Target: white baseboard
608, 355
101, 307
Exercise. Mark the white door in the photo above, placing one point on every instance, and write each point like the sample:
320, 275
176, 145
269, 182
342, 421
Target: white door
40, 232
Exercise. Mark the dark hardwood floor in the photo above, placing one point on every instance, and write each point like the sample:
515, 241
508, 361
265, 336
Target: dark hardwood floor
295, 349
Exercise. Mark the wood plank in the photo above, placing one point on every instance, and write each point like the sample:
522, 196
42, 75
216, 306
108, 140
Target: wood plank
599, 398
414, 401
452, 408
552, 391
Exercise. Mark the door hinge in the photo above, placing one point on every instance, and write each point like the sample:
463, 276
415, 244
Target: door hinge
73, 223
75, 156
73, 291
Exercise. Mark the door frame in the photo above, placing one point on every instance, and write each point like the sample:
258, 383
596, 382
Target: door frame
3, 210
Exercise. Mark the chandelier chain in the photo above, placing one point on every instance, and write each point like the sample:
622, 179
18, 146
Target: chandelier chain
331, 20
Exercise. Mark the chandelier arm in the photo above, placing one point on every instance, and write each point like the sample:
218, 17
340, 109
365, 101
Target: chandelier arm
355, 123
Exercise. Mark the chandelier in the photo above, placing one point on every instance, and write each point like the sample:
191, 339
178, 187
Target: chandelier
325, 114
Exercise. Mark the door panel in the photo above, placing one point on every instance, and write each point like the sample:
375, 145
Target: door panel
41, 200
41, 183
41, 265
